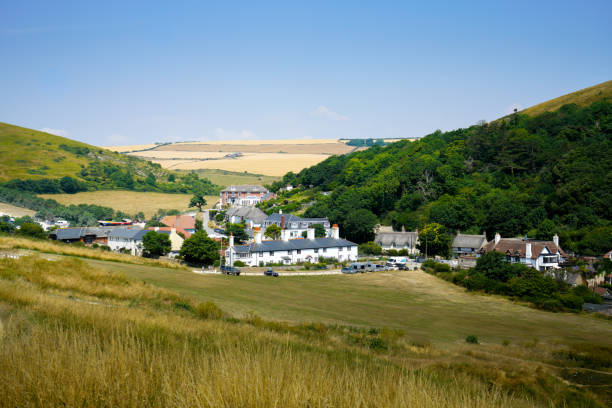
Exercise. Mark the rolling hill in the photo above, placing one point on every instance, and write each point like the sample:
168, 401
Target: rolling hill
583, 97
34, 161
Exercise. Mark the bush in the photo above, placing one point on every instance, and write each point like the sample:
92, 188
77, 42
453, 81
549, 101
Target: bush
586, 294
239, 263
550, 304
209, 310
471, 339
440, 267
571, 301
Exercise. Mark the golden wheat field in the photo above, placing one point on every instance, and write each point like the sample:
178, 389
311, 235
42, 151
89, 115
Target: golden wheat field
77, 335
129, 148
294, 148
130, 202
269, 164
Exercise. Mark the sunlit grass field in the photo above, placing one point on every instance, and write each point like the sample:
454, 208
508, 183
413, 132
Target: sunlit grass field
130, 202
92, 332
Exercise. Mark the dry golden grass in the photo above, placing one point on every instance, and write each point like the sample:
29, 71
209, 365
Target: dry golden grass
293, 148
15, 211
130, 202
255, 142
178, 154
130, 148
582, 97
72, 250
63, 344
271, 164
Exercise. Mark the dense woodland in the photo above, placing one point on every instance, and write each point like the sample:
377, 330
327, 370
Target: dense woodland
518, 175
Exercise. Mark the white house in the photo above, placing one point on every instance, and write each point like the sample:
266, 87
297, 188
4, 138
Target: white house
127, 238
541, 255
295, 225
290, 251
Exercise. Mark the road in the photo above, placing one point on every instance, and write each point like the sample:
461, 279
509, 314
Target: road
313, 273
210, 231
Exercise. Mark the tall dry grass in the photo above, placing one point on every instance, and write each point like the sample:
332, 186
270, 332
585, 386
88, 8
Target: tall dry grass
11, 242
65, 343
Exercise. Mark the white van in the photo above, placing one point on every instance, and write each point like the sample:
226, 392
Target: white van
396, 261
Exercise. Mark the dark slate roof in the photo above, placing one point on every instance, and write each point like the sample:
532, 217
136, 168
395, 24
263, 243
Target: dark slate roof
276, 217
246, 188
248, 212
69, 233
128, 233
279, 245
469, 241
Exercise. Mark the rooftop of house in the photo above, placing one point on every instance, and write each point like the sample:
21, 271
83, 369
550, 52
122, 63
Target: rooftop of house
244, 188
280, 245
469, 241
179, 221
63, 234
276, 218
397, 238
128, 233
518, 247
248, 212
168, 230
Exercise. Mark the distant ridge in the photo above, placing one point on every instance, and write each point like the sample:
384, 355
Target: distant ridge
582, 97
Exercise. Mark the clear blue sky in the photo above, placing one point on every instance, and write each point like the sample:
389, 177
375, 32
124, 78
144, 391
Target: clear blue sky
132, 72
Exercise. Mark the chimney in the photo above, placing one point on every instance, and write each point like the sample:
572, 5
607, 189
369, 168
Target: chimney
285, 234
282, 222
335, 232
310, 233
231, 240
528, 250
556, 239
497, 237
257, 235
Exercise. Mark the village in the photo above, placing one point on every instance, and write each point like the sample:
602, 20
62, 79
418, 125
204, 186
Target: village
259, 243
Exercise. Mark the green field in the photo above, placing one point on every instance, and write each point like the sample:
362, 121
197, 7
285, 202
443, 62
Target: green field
225, 178
96, 332
428, 309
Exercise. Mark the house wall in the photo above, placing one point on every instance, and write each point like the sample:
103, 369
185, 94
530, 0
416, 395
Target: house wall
304, 255
116, 244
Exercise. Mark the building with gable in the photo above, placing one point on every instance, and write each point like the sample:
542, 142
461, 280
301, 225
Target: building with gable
540, 255
468, 244
398, 240
295, 225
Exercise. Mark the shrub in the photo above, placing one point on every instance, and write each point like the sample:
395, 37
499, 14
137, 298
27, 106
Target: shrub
550, 304
571, 301
239, 263
440, 267
471, 339
505, 342
376, 343
586, 294
209, 310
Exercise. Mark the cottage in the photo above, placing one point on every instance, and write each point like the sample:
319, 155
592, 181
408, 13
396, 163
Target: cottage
295, 225
251, 216
467, 244
244, 194
87, 235
290, 251
129, 239
407, 240
541, 255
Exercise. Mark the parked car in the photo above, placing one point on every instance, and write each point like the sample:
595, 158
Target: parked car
270, 272
348, 269
230, 270
219, 231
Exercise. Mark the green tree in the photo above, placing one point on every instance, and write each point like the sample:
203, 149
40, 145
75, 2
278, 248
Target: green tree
370, 248
433, 240
197, 201
273, 231
200, 249
156, 244
238, 231
319, 230
359, 225
32, 229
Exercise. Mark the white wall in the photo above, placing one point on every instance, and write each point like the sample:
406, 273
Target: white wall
255, 258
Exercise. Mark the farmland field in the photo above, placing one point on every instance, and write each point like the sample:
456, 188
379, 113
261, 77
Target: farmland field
130, 202
225, 178
15, 211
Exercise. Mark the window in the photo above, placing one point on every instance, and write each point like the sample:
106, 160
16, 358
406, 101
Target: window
299, 251
271, 253
316, 251
324, 249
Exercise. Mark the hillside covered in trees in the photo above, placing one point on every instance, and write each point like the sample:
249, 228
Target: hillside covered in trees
520, 175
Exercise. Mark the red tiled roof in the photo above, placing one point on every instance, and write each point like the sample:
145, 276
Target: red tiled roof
600, 291
179, 221
517, 247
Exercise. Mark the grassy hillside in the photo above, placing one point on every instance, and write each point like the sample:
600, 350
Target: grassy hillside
584, 97
76, 334
39, 159
529, 175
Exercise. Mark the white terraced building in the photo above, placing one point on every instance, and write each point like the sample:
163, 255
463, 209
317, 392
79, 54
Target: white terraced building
291, 251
